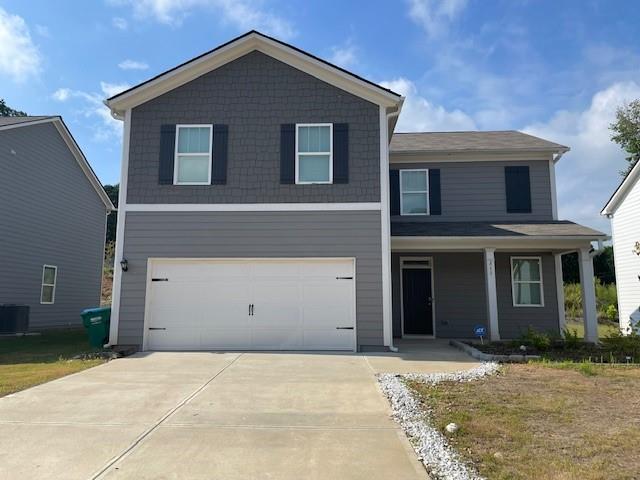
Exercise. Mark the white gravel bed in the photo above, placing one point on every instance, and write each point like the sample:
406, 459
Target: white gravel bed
440, 460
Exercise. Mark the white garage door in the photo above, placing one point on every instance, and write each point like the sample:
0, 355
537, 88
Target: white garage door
251, 304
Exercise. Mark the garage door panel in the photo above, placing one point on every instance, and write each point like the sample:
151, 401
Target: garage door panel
297, 304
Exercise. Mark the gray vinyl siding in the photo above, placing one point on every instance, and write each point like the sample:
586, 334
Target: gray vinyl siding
254, 235
475, 191
460, 297
458, 292
254, 95
514, 321
51, 215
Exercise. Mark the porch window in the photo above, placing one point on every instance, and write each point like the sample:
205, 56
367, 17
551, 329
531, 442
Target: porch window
526, 281
414, 192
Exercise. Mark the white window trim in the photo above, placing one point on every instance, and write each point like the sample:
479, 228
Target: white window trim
175, 154
426, 192
513, 283
330, 152
42, 284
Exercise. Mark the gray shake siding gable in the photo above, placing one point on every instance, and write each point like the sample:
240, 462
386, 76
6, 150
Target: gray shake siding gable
254, 235
254, 95
51, 215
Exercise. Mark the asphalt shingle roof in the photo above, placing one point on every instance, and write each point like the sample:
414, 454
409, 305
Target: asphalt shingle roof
559, 228
508, 140
4, 121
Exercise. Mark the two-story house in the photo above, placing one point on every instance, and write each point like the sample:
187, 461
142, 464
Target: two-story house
265, 203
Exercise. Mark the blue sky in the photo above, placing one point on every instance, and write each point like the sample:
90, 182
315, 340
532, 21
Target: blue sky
557, 69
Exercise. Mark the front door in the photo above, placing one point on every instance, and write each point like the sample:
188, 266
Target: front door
417, 301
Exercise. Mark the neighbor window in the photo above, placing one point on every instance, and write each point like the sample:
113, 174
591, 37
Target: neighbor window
526, 281
314, 154
193, 155
48, 290
414, 192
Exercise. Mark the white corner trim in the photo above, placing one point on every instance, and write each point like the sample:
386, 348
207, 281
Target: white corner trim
491, 292
122, 206
554, 192
250, 207
385, 227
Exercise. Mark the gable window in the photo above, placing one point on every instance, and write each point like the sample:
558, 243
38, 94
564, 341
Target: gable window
193, 155
48, 288
314, 153
526, 281
414, 192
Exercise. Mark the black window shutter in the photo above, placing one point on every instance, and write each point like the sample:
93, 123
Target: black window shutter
219, 157
394, 191
435, 205
340, 153
518, 189
167, 152
287, 153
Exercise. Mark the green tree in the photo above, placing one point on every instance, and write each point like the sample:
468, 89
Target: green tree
603, 267
112, 219
626, 132
6, 111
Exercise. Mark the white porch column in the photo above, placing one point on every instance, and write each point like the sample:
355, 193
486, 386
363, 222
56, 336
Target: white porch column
491, 291
557, 257
588, 295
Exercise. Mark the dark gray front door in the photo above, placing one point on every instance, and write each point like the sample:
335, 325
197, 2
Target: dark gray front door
417, 301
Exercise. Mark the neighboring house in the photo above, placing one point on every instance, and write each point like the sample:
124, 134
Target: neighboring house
52, 223
623, 208
261, 207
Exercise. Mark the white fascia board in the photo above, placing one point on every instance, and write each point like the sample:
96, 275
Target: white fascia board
237, 49
479, 243
74, 148
622, 191
251, 207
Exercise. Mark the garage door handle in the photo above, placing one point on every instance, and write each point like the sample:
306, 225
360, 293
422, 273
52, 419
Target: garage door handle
159, 279
157, 328
344, 328
344, 278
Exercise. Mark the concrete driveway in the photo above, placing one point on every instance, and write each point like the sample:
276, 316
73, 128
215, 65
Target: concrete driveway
212, 415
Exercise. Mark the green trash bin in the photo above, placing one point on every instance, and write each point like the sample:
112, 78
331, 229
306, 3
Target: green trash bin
96, 321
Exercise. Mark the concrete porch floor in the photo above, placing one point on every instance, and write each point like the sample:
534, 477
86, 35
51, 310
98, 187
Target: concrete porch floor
426, 355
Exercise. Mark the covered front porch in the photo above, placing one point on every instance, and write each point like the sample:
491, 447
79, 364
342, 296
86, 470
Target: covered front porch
505, 278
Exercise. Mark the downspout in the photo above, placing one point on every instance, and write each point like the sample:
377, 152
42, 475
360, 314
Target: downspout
391, 115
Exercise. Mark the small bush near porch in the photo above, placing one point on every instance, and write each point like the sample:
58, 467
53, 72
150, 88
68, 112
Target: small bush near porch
543, 420
606, 302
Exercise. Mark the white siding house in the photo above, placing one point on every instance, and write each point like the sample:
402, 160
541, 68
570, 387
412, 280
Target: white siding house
624, 211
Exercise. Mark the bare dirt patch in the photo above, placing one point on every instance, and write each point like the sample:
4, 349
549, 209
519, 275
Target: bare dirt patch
551, 421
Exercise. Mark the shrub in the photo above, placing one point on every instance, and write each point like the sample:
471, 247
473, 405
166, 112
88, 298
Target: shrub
540, 341
606, 300
571, 338
623, 345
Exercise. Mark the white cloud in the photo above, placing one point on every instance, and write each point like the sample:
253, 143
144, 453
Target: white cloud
19, 56
91, 106
243, 14
132, 65
435, 15
589, 173
120, 23
344, 56
420, 115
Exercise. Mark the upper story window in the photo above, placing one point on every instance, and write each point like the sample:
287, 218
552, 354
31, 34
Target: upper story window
526, 281
192, 164
48, 287
414, 192
314, 153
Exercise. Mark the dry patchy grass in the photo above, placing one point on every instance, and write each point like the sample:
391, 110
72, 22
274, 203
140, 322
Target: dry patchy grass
544, 421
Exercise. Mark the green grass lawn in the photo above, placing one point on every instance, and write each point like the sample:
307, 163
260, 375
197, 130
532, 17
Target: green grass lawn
604, 329
31, 360
544, 421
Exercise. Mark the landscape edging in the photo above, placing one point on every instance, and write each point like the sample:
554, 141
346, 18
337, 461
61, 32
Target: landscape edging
488, 357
